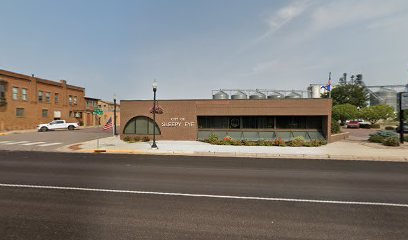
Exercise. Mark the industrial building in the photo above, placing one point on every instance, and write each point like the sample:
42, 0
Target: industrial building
245, 114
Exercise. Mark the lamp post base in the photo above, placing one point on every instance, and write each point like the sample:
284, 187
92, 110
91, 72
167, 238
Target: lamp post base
154, 145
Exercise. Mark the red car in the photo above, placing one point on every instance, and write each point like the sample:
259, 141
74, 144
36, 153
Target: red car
353, 124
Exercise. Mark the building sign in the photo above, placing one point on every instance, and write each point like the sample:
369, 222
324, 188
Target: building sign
404, 101
177, 122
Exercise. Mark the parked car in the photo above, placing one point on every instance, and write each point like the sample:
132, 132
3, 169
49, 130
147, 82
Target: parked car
353, 124
405, 128
364, 124
56, 124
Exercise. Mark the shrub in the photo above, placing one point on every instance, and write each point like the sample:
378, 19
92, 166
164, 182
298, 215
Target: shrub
307, 144
136, 139
297, 141
127, 139
227, 138
365, 125
406, 139
375, 126
236, 143
335, 126
376, 139
384, 134
145, 139
260, 143
279, 142
390, 128
213, 139
391, 141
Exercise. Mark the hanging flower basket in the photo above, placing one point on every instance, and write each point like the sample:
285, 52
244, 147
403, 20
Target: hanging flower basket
158, 109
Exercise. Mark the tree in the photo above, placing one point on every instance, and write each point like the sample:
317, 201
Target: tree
344, 112
375, 113
353, 94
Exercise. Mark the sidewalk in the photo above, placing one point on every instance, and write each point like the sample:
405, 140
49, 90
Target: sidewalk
342, 150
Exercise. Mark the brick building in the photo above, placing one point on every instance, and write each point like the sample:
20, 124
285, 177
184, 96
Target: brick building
241, 119
26, 101
90, 119
108, 111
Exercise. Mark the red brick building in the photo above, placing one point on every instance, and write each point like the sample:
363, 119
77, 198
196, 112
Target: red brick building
26, 101
240, 119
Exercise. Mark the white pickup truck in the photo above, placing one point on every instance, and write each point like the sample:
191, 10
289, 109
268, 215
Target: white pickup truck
57, 124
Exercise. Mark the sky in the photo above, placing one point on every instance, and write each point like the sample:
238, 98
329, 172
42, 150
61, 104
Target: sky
191, 47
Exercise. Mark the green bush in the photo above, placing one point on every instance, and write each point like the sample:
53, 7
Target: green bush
365, 125
406, 139
307, 144
136, 139
127, 139
392, 141
335, 127
145, 139
212, 138
297, 141
390, 128
384, 134
376, 139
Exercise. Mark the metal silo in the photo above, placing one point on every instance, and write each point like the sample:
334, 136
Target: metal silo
220, 95
275, 95
384, 96
257, 95
293, 95
239, 95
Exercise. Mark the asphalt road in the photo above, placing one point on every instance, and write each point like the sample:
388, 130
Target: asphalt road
91, 196
51, 140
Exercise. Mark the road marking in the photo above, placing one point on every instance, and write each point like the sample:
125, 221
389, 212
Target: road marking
13, 143
48, 144
32, 143
3, 142
206, 195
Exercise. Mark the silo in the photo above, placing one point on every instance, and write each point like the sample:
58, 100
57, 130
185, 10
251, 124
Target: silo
315, 91
384, 96
293, 95
239, 95
257, 95
275, 95
220, 95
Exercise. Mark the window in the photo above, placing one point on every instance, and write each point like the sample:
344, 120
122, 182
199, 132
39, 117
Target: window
2, 91
45, 113
48, 97
141, 125
75, 100
56, 97
19, 112
40, 96
15, 93
70, 100
24, 95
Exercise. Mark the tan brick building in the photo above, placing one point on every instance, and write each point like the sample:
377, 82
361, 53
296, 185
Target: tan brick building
89, 118
108, 109
241, 119
26, 101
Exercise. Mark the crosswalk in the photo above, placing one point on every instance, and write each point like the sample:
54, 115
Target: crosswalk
28, 143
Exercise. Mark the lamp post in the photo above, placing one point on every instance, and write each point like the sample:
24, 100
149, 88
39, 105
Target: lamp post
114, 115
154, 85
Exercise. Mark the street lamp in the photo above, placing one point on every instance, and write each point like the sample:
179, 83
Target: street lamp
114, 115
154, 85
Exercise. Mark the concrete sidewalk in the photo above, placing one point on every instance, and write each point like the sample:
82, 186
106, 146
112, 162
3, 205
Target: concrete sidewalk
342, 150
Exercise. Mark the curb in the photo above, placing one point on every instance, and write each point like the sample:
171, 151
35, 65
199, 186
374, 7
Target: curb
243, 155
